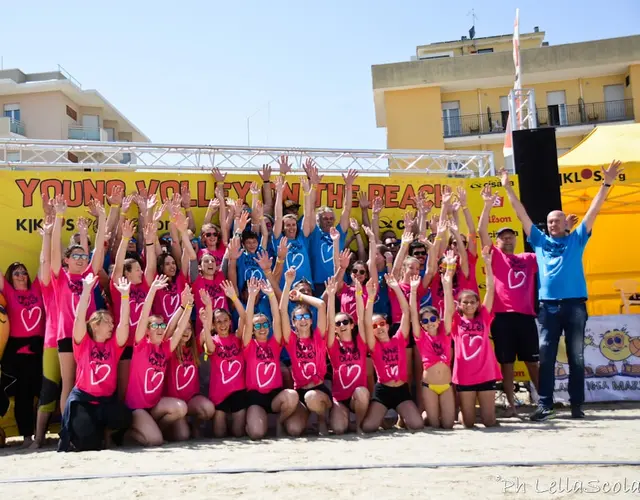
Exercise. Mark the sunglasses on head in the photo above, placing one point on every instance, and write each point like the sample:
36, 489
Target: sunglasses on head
343, 322
20, 272
79, 256
259, 326
430, 319
157, 326
211, 234
298, 317
381, 324
358, 271
419, 253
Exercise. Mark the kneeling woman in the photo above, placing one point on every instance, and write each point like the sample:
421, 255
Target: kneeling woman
434, 345
154, 416
308, 350
348, 357
182, 378
389, 360
264, 377
93, 411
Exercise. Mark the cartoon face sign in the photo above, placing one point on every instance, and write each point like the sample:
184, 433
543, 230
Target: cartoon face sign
615, 345
4, 324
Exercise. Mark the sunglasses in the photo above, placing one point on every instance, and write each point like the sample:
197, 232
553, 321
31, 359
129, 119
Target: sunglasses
298, 317
419, 253
358, 271
343, 322
79, 256
133, 241
379, 325
157, 326
430, 319
393, 243
260, 326
20, 273
209, 235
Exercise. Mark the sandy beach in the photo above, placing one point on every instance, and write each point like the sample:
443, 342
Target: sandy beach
606, 434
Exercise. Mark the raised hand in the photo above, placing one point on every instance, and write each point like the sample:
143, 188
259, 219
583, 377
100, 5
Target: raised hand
186, 297
258, 212
442, 227
345, 258
331, 286
305, 183
253, 287
423, 204
254, 189
217, 175
295, 295
504, 177
151, 201
126, 203
99, 208
372, 287
572, 220
290, 275
391, 280
487, 254
312, 172
409, 219
266, 287
160, 282
335, 235
350, 178
175, 203
407, 236
283, 248
378, 204
433, 223
449, 258
159, 212
149, 232
228, 289
47, 224
284, 165
234, 248
279, 184
415, 282
140, 198
89, 281
186, 197
83, 225
242, 222
354, 225
218, 192
128, 229
214, 205
462, 196
205, 298
264, 261
447, 194
265, 173
123, 285
92, 209
47, 205
487, 195
452, 226
611, 173
115, 198
367, 230
363, 200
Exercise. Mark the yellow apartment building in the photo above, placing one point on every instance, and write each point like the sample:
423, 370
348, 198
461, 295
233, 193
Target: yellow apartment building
54, 106
453, 95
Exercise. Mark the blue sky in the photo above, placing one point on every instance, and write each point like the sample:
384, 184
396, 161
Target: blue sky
192, 71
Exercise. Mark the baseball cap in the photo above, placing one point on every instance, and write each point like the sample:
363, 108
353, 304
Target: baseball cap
291, 204
504, 229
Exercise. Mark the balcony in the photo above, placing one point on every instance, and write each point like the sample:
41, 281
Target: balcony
16, 126
552, 116
87, 134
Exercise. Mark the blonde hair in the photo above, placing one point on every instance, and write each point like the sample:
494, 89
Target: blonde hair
96, 318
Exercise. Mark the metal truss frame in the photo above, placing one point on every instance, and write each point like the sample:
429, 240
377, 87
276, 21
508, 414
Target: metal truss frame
126, 156
522, 104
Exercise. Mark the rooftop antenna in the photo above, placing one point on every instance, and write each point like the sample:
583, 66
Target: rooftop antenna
472, 31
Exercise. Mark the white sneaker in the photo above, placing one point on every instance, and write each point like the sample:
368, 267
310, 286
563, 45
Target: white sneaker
535, 397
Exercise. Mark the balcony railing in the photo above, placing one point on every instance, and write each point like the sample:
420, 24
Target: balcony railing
562, 115
16, 126
84, 133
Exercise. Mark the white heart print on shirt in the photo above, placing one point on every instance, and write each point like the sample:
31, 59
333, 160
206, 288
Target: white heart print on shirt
31, 318
468, 342
295, 260
327, 252
170, 304
516, 279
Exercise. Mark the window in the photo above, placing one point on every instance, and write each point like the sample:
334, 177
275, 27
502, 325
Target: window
111, 134
485, 51
504, 111
436, 55
13, 157
71, 113
12, 111
556, 109
451, 118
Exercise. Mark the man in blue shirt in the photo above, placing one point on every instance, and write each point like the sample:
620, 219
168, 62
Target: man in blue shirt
562, 290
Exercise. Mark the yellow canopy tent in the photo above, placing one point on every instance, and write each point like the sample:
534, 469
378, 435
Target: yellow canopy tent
613, 251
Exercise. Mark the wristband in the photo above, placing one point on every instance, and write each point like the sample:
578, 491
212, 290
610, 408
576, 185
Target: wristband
370, 300
464, 207
358, 292
606, 185
122, 297
115, 205
59, 216
149, 244
279, 260
270, 294
437, 238
233, 298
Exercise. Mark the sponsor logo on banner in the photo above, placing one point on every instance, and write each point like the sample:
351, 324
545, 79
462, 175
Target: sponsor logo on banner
480, 183
585, 175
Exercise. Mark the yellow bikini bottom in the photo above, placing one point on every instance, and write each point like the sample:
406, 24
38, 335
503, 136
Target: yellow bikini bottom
437, 388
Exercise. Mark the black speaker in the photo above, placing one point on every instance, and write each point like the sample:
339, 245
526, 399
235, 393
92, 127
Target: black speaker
535, 159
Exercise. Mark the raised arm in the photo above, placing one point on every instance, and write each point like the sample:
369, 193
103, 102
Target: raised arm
277, 209
253, 289
432, 257
185, 318
267, 195
355, 227
610, 175
122, 330
375, 219
468, 218
372, 290
349, 179
230, 291
115, 200
60, 207
82, 224
462, 253
407, 238
330, 288
285, 322
518, 207
234, 251
490, 291
179, 222
309, 204
159, 283
373, 252
318, 304
44, 271
151, 264
364, 204
185, 194
413, 307
206, 318
483, 224
219, 179
447, 287
405, 322
118, 266
80, 321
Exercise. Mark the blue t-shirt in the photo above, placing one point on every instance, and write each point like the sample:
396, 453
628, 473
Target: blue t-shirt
297, 256
426, 298
561, 273
382, 305
321, 253
248, 268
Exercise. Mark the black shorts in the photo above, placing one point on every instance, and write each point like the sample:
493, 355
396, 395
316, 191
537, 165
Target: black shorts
515, 335
391, 397
484, 386
264, 401
321, 388
65, 345
346, 403
234, 402
127, 353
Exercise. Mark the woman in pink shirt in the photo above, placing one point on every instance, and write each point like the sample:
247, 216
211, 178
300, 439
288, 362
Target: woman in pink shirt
210, 280
389, 355
182, 381
475, 370
347, 348
434, 347
93, 414
212, 241
67, 284
22, 358
154, 416
265, 392
227, 386
308, 351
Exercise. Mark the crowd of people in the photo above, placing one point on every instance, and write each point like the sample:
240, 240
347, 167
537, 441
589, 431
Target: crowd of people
165, 337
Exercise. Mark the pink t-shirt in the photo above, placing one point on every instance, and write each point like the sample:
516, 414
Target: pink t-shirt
137, 295
390, 359
68, 288
470, 283
437, 292
396, 310
263, 365
434, 349
227, 368
218, 254
182, 377
146, 375
475, 361
51, 317
308, 359
167, 301
25, 309
349, 363
212, 286
347, 296
97, 365
515, 281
